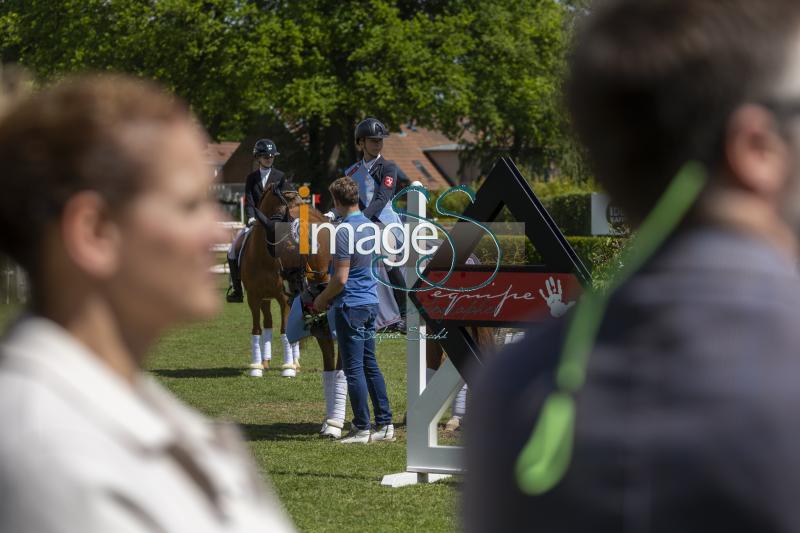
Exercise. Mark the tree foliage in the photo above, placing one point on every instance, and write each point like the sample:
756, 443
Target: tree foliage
483, 71
516, 64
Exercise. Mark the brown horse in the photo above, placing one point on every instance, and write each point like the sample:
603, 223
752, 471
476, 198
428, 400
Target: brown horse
293, 273
262, 281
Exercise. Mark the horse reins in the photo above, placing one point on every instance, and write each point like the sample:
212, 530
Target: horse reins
304, 270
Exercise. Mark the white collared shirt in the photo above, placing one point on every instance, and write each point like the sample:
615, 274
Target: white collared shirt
370, 164
265, 172
81, 450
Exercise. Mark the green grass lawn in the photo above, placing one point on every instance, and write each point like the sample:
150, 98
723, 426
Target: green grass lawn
325, 486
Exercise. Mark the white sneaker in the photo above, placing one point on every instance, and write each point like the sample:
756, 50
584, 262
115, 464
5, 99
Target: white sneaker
383, 433
288, 371
331, 429
356, 436
256, 371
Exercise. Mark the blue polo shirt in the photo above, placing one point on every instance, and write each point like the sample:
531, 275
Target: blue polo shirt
360, 288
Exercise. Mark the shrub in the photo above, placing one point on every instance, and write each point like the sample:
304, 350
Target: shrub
572, 212
561, 187
455, 201
595, 252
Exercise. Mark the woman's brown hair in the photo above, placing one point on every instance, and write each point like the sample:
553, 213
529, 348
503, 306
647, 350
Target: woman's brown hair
68, 138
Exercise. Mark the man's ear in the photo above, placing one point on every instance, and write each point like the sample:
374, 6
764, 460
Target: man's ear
757, 154
91, 239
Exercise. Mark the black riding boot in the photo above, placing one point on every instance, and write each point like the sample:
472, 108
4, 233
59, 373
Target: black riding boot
395, 275
235, 294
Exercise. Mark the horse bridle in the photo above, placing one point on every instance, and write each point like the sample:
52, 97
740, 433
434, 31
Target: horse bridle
295, 279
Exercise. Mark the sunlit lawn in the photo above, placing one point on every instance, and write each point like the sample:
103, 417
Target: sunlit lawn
324, 485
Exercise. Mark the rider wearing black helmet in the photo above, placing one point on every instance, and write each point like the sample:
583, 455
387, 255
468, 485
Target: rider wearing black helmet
377, 180
264, 152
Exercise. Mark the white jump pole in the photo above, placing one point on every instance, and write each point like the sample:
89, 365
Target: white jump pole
426, 461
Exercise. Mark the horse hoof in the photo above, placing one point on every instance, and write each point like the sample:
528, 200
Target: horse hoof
331, 429
288, 371
266, 364
256, 371
453, 425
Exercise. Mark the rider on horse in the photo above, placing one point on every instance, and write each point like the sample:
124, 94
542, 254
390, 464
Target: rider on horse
264, 152
377, 180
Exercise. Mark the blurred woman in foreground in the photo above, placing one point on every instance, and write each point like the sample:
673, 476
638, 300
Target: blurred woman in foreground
105, 204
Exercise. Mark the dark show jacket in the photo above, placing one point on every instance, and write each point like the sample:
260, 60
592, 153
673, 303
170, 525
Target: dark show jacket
689, 420
384, 173
254, 190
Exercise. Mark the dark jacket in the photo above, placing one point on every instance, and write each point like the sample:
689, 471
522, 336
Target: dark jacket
385, 173
689, 420
254, 190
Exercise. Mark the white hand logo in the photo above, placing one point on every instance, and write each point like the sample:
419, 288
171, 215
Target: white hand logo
553, 298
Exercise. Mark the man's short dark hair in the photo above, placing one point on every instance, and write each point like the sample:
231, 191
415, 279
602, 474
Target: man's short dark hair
345, 191
653, 84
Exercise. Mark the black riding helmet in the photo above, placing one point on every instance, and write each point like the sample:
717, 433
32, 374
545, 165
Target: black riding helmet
371, 127
265, 147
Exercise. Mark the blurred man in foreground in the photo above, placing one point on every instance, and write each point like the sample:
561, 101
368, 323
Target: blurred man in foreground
687, 421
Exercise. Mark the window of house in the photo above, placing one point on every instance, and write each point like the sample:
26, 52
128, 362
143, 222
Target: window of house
422, 169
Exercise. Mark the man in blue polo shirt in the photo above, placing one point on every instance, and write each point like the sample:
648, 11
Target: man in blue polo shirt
352, 292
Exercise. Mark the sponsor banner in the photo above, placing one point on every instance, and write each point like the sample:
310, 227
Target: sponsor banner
512, 297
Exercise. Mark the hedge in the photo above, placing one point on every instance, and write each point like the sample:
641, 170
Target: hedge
456, 202
570, 207
572, 212
595, 252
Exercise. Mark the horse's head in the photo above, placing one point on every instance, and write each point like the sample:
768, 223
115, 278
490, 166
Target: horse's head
278, 199
300, 272
274, 212
277, 212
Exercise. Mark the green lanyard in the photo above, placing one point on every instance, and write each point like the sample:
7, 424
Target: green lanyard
545, 458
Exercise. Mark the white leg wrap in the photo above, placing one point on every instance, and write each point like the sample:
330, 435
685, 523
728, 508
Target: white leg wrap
460, 402
255, 348
296, 352
329, 389
288, 370
288, 359
340, 397
266, 345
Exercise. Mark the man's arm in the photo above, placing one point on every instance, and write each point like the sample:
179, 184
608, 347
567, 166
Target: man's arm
341, 271
384, 192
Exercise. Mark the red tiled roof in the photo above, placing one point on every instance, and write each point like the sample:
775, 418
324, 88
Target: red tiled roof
217, 154
406, 149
